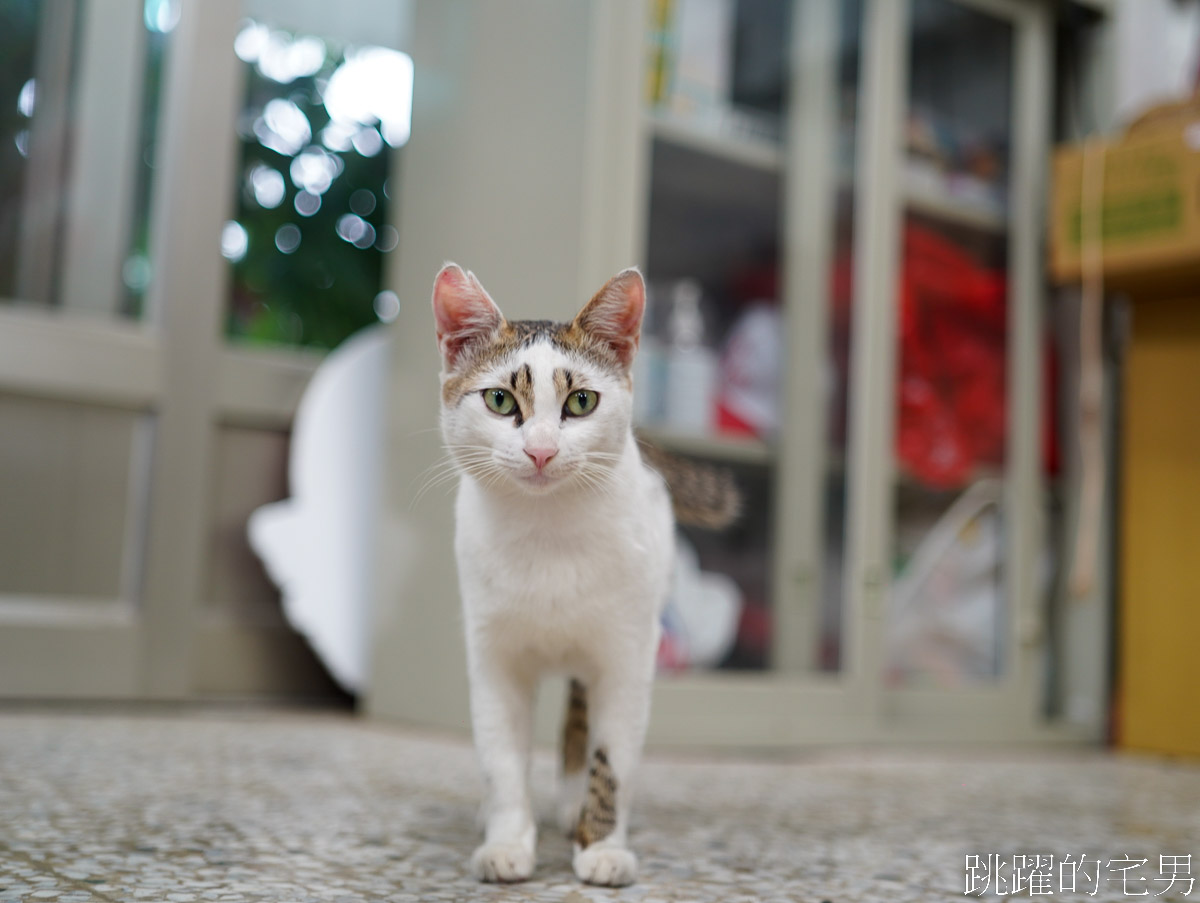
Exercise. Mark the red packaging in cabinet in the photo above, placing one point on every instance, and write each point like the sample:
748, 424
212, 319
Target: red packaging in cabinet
951, 388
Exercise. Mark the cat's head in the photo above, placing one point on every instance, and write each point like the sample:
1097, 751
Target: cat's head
534, 405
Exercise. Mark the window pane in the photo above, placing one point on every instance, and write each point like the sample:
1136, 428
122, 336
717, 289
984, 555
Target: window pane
78, 109
327, 106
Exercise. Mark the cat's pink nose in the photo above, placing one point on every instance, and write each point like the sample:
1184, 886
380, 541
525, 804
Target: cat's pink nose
540, 456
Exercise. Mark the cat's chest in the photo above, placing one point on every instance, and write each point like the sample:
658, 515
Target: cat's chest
540, 562
557, 557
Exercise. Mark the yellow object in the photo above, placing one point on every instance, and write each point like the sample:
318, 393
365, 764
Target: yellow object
1148, 210
1159, 664
658, 72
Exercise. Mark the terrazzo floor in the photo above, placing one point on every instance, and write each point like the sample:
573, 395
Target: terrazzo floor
255, 806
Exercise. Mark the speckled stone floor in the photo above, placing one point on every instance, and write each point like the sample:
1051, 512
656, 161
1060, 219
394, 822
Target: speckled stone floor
250, 806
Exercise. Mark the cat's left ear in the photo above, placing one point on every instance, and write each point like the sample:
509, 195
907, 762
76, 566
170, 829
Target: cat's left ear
614, 315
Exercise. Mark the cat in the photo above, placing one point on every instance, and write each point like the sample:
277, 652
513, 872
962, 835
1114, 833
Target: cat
564, 542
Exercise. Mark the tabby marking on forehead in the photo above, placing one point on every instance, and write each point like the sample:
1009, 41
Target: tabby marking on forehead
516, 335
564, 380
521, 382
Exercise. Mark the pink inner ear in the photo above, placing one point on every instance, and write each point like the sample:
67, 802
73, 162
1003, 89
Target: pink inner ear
632, 306
462, 310
451, 302
615, 313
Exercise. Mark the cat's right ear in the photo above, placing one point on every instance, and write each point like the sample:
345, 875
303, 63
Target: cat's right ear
464, 312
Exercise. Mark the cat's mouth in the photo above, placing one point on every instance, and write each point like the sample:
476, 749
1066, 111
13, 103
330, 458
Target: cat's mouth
538, 479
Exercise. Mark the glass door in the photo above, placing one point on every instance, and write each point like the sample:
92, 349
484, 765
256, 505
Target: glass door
710, 369
961, 622
952, 421
752, 129
750, 126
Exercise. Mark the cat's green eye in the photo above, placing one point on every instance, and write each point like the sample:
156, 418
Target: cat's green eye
581, 402
500, 400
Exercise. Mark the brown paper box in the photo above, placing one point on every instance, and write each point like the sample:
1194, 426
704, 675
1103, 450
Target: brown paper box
1148, 209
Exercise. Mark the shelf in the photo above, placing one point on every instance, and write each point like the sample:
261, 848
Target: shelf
747, 150
729, 449
927, 190
768, 156
945, 206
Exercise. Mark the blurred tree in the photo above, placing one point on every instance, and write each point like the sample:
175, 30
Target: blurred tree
308, 276
18, 41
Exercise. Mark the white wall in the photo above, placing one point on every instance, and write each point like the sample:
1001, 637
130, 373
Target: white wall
1157, 51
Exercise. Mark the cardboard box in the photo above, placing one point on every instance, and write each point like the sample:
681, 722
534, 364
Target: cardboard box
1148, 209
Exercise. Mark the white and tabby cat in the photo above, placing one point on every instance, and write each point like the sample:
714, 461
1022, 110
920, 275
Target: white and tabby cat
564, 541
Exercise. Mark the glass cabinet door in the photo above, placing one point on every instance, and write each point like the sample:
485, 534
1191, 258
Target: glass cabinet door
960, 640
708, 374
731, 97
952, 420
779, 215
841, 246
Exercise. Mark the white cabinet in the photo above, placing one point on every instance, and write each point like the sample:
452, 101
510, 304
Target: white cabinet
866, 180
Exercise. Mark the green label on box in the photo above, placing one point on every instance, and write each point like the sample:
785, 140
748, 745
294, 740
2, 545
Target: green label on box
1128, 218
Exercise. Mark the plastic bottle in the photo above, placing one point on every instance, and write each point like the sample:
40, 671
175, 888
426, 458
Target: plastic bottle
691, 377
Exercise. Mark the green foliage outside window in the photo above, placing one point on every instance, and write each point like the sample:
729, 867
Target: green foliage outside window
307, 279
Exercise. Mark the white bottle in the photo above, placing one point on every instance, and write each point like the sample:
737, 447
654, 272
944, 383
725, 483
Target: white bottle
650, 364
691, 382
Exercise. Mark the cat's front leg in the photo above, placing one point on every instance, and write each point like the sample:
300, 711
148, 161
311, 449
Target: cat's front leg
619, 704
501, 715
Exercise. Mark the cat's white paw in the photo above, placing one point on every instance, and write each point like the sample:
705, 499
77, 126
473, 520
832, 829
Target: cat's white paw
606, 866
502, 862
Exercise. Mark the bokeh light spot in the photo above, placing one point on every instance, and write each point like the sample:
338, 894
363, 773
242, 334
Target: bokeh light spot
27, 98
367, 141
351, 227
362, 202
307, 203
283, 127
161, 15
136, 272
267, 186
367, 238
373, 84
338, 136
287, 238
284, 60
388, 239
251, 41
234, 241
315, 169
387, 306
